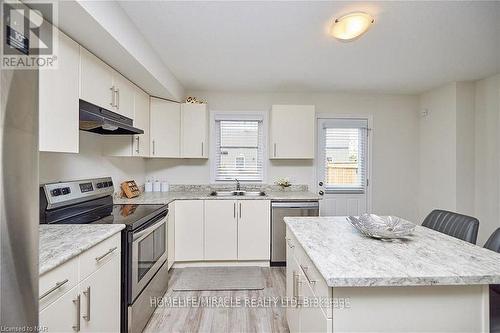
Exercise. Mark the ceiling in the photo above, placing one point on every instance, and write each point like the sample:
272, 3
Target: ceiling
283, 46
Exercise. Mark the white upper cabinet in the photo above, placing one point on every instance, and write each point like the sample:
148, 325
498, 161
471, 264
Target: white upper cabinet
292, 132
194, 130
96, 81
103, 86
124, 95
165, 129
58, 101
141, 121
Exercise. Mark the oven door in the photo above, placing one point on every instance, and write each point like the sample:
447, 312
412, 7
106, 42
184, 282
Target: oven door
149, 252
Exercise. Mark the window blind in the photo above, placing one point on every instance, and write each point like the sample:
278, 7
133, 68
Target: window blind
346, 143
239, 150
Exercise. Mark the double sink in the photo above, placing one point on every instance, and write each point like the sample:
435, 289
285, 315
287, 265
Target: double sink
237, 193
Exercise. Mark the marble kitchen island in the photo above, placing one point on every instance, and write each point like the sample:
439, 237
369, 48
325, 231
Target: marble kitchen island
346, 282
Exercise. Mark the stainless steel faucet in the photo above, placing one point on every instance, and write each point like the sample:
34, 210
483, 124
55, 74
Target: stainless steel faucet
238, 187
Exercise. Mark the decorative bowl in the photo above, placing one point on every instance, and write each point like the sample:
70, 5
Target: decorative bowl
382, 227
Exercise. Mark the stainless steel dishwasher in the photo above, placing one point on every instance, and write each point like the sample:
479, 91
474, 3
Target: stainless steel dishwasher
280, 209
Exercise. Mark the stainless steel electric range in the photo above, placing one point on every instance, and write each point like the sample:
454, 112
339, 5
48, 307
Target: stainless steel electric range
144, 239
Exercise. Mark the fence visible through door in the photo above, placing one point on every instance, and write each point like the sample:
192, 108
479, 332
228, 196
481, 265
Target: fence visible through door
342, 173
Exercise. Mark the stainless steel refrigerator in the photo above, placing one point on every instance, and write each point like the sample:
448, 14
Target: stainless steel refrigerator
19, 198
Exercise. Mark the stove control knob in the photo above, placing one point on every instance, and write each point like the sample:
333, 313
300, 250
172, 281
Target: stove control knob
99, 185
56, 192
66, 190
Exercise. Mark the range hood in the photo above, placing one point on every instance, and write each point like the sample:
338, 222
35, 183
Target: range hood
98, 120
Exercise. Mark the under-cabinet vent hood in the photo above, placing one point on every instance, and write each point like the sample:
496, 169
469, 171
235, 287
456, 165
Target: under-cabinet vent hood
98, 120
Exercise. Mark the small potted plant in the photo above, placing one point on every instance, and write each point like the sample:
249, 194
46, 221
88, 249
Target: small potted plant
283, 183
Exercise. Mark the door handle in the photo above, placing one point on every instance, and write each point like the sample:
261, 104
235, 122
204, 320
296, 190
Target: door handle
137, 138
154, 148
105, 254
54, 288
275, 150
87, 294
76, 301
202, 149
117, 91
320, 183
240, 210
321, 193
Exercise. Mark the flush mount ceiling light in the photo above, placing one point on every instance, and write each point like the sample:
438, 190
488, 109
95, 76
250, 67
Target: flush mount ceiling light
351, 26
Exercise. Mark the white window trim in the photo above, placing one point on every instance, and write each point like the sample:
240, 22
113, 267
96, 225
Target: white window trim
369, 117
238, 115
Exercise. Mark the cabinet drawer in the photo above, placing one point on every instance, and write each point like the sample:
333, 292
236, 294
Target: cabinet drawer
57, 282
97, 256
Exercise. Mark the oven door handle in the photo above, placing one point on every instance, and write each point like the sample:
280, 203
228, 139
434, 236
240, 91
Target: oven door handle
155, 224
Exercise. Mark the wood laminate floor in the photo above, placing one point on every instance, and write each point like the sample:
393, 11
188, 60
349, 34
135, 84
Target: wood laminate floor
242, 317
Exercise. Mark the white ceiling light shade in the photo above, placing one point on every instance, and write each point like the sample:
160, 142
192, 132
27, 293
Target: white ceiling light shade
351, 26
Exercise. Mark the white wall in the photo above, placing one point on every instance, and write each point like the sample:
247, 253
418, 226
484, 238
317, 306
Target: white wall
90, 163
395, 144
487, 155
447, 149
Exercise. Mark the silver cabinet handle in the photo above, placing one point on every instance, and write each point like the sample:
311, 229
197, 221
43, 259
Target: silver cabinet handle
240, 210
76, 301
296, 287
234, 209
304, 269
112, 96
117, 91
202, 149
275, 150
87, 294
54, 288
105, 254
137, 138
154, 147
289, 242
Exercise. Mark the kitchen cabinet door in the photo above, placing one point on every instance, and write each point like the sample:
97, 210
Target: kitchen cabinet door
292, 132
100, 299
124, 95
312, 318
254, 229
189, 230
292, 310
165, 128
141, 121
221, 229
171, 235
194, 132
96, 81
58, 100
62, 315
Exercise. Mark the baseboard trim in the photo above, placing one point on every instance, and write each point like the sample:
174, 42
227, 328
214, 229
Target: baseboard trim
184, 264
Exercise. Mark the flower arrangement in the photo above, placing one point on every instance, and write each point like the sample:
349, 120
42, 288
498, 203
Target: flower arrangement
283, 182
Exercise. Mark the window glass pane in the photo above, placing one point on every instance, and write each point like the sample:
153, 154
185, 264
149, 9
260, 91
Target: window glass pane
345, 158
239, 150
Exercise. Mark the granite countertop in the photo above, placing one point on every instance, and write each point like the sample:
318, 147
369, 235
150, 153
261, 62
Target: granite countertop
346, 258
60, 243
167, 197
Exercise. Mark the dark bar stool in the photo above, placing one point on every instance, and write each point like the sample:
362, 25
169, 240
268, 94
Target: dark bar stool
456, 225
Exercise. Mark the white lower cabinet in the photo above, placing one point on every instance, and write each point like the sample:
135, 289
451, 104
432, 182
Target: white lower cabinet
304, 287
63, 314
254, 229
100, 299
189, 230
221, 230
93, 302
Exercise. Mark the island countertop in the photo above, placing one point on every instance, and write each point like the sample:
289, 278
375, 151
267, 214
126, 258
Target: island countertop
62, 242
345, 258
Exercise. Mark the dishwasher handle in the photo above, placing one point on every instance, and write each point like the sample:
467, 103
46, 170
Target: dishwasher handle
296, 204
